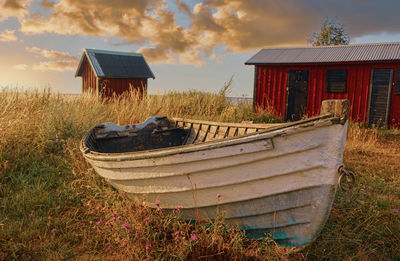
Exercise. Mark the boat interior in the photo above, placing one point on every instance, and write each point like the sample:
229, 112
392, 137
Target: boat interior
160, 132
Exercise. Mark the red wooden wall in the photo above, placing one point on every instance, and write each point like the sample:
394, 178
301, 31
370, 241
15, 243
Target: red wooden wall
117, 86
271, 86
109, 86
89, 79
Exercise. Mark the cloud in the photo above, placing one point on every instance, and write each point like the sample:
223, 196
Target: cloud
243, 25
238, 25
47, 4
8, 36
59, 61
145, 22
51, 54
13, 8
21, 67
183, 7
59, 66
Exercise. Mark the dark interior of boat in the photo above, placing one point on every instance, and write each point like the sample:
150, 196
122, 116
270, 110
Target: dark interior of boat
158, 132
140, 141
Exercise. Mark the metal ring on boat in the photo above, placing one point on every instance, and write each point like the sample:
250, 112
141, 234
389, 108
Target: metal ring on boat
348, 174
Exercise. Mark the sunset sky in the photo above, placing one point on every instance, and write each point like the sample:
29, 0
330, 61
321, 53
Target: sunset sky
188, 44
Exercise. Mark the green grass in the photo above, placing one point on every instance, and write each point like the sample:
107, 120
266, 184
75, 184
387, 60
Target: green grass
45, 184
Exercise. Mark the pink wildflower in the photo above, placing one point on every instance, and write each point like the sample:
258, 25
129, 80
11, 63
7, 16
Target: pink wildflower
176, 235
137, 233
179, 207
146, 219
193, 237
124, 194
57, 140
157, 203
395, 210
125, 225
53, 230
113, 218
100, 222
64, 151
109, 247
147, 246
218, 195
31, 214
372, 206
119, 217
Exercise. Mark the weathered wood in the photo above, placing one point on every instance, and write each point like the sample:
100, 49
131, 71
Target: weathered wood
279, 180
338, 108
229, 124
210, 130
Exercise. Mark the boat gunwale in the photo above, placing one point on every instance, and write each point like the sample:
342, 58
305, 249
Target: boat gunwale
268, 133
231, 124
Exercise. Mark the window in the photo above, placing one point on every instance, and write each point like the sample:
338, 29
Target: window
397, 91
336, 80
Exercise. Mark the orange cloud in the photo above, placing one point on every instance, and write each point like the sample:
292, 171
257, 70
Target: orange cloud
14, 4
59, 61
51, 54
8, 36
134, 21
238, 25
47, 4
59, 66
183, 7
13, 8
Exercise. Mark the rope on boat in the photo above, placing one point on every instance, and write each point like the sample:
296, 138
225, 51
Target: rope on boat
346, 175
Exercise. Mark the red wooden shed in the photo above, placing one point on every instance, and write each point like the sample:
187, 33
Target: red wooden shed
293, 82
113, 73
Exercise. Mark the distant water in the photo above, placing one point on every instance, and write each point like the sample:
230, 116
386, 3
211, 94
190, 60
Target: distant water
234, 100
237, 100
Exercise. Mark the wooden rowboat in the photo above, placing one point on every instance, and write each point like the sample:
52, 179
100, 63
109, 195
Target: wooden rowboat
277, 179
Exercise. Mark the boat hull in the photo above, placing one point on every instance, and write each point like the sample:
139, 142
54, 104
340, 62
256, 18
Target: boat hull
280, 182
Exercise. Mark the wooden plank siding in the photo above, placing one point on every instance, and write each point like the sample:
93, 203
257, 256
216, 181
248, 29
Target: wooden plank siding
109, 86
117, 86
89, 79
271, 85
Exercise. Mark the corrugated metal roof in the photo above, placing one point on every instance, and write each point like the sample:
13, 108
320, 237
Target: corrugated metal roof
328, 54
116, 64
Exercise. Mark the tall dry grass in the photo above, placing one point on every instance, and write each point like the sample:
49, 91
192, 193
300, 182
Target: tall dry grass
54, 206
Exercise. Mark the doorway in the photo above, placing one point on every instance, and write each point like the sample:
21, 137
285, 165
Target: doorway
379, 96
296, 95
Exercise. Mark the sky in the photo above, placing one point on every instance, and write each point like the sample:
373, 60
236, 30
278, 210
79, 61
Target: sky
188, 44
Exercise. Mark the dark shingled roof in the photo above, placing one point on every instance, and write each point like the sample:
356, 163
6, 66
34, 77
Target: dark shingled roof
112, 64
328, 54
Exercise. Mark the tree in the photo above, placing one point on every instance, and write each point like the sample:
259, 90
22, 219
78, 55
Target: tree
332, 33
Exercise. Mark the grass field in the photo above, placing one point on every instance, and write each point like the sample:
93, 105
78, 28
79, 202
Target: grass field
53, 205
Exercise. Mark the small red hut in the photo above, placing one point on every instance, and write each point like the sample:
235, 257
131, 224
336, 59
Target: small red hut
293, 82
113, 73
